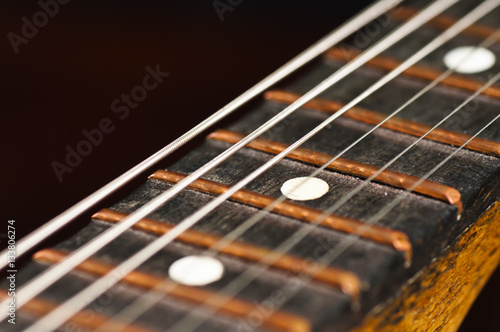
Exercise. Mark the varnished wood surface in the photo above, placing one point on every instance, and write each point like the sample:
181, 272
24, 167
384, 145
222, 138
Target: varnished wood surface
278, 320
397, 124
348, 282
426, 187
441, 296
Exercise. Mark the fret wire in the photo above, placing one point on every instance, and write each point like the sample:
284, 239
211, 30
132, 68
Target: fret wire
141, 256
444, 22
141, 304
395, 124
367, 15
421, 72
45, 279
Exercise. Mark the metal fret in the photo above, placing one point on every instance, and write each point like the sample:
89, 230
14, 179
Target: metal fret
390, 237
346, 281
416, 71
396, 179
397, 124
444, 22
278, 320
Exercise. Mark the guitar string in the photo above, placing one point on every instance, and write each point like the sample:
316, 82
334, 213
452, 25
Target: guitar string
146, 300
52, 274
34, 238
189, 324
141, 256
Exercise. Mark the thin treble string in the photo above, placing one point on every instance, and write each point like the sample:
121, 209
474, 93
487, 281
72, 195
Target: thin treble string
191, 321
52, 274
151, 297
34, 238
67, 309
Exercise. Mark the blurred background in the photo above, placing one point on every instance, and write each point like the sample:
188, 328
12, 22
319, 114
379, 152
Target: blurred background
65, 77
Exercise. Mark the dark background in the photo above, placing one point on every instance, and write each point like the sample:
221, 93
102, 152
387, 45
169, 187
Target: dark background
65, 78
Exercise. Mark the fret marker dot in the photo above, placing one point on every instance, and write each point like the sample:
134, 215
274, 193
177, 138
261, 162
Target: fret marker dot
469, 59
196, 270
310, 188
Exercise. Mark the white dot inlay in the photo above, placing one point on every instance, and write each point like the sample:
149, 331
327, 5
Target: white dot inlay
310, 188
196, 270
469, 59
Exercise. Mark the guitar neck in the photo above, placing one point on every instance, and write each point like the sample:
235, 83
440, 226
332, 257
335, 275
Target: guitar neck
363, 266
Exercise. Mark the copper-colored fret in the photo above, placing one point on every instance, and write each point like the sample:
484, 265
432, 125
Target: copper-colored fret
400, 180
383, 235
444, 22
84, 319
394, 123
416, 71
348, 282
278, 320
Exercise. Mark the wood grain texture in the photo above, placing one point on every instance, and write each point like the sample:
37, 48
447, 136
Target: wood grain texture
441, 296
